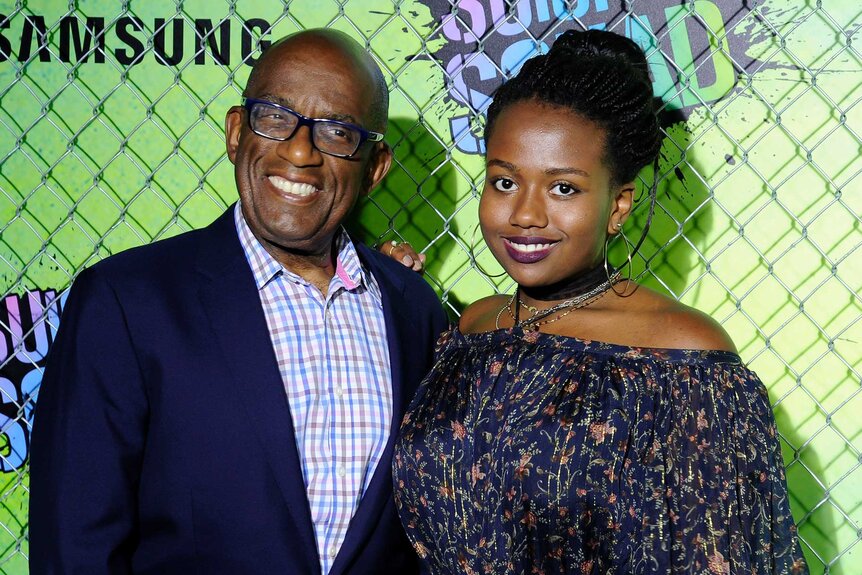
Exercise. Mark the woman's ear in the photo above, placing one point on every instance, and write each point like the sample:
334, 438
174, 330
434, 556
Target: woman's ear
621, 207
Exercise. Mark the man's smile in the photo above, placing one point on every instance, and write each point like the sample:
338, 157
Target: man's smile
291, 188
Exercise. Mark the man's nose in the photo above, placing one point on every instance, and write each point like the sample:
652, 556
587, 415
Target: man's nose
528, 210
299, 149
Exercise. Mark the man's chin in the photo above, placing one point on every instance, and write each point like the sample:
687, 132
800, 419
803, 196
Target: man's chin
299, 245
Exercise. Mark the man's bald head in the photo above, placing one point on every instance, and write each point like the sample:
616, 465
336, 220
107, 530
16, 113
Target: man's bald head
326, 44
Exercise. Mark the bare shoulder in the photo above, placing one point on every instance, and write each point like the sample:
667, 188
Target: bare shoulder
678, 326
481, 315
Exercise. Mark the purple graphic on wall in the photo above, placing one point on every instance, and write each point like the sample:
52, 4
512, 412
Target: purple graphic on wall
28, 325
694, 58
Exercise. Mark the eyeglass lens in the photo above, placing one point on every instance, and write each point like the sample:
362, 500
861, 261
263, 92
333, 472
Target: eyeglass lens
329, 136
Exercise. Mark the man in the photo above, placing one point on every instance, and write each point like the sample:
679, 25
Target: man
226, 401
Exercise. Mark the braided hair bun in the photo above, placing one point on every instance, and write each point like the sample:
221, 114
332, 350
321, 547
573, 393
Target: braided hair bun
603, 77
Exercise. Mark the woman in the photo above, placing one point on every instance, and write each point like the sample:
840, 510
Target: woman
584, 424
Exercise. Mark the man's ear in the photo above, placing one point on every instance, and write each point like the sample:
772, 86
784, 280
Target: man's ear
232, 129
378, 165
621, 207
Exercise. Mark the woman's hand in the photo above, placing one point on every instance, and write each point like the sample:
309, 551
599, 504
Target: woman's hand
403, 252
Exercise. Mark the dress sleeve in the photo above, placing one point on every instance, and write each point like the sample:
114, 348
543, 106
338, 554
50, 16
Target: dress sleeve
725, 490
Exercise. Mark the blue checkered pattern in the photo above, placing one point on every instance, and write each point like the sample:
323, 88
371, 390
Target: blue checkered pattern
334, 361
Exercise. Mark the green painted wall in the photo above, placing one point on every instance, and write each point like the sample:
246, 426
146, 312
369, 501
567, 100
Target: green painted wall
760, 185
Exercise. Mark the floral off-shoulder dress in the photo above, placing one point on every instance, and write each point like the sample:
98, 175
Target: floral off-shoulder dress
532, 453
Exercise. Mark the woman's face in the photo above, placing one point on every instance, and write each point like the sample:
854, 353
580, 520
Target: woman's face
547, 205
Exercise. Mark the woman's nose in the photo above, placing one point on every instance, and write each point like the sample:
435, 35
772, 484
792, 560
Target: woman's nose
528, 211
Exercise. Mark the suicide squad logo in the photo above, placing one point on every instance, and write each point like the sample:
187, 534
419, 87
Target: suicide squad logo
28, 324
695, 55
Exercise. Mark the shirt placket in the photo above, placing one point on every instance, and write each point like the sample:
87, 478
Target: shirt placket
336, 475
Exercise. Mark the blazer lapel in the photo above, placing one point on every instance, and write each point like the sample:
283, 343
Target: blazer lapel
231, 301
379, 491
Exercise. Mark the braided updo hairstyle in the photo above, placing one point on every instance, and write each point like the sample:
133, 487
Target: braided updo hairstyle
602, 77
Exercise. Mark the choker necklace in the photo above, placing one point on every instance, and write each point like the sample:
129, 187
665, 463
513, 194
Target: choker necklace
562, 309
569, 287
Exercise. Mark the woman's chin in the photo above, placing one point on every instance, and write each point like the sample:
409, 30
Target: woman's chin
532, 281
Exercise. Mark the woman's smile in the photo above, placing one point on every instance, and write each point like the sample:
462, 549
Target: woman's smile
528, 249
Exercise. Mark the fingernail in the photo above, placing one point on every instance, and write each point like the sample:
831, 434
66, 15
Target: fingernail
407, 261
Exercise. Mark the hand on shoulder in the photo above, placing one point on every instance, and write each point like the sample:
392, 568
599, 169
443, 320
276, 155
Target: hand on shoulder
405, 254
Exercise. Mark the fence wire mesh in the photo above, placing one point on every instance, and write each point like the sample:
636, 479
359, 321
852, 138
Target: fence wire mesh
111, 136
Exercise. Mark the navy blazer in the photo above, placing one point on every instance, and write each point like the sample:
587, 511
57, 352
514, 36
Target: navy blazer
163, 440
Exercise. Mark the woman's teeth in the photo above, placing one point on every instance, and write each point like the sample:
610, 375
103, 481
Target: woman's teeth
529, 248
292, 188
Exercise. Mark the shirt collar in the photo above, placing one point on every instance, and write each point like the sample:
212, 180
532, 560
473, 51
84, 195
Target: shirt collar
264, 267
350, 274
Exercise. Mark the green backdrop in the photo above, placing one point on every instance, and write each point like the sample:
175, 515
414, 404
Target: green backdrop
111, 135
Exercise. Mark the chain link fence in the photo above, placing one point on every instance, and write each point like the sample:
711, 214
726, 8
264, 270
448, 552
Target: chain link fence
111, 135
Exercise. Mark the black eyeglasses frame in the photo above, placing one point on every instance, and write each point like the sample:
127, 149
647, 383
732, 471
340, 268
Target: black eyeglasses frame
364, 135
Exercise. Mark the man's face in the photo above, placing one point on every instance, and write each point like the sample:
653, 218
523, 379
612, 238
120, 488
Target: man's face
294, 197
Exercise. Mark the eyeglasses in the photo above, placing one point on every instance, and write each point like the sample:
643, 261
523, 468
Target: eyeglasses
332, 137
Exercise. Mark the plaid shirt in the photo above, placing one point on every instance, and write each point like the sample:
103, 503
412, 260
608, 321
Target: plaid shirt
334, 361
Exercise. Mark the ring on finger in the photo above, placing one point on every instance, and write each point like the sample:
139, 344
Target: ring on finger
392, 247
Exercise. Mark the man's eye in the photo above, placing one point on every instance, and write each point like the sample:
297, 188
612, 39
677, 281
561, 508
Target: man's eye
269, 114
504, 185
336, 134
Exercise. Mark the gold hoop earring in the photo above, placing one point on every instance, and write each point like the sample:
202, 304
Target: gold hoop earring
475, 262
628, 261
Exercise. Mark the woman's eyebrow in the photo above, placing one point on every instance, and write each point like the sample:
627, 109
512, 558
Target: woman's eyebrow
565, 171
502, 164
550, 171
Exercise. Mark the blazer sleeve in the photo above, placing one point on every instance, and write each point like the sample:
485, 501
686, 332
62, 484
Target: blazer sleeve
88, 439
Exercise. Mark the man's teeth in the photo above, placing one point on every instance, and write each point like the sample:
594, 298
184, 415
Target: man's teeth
292, 188
529, 248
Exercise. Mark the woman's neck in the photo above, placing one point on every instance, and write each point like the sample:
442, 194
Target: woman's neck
566, 289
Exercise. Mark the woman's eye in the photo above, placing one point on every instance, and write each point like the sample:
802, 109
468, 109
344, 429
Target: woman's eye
564, 189
504, 185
